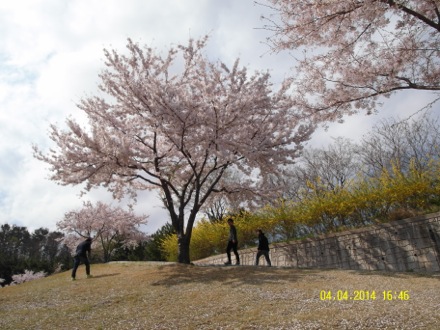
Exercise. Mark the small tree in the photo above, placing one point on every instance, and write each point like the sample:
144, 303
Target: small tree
112, 227
356, 51
404, 142
179, 132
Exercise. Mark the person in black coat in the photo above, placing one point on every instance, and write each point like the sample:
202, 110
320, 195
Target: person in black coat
232, 243
263, 248
82, 254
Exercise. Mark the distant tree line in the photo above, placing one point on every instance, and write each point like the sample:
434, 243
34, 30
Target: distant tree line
44, 251
21, 250
147, 250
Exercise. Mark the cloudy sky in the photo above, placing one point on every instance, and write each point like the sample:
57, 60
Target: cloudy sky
51, 52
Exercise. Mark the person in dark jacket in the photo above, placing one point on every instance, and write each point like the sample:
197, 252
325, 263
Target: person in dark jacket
232, 243
82, 254
263, 248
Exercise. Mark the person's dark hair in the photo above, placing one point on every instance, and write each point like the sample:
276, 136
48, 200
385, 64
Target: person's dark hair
259, 231
230, 220
89, 239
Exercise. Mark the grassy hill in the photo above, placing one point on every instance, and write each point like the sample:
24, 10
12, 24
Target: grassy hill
170, 296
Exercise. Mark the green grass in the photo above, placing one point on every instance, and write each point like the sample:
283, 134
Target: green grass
156, 296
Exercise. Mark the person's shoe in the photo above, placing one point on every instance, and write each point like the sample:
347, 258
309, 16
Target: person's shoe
227, 263
89, 276
73, 279
237, 263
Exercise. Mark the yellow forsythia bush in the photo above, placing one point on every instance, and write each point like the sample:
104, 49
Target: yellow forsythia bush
170, 247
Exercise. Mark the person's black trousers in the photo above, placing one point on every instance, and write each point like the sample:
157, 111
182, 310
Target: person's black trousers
77, 261
232, 246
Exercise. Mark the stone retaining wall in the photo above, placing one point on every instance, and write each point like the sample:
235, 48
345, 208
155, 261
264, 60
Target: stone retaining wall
404, 245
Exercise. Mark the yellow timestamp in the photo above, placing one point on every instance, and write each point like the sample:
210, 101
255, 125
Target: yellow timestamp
362, 295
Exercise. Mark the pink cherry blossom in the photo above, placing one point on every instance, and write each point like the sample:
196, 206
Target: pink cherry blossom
355, 51
28, 275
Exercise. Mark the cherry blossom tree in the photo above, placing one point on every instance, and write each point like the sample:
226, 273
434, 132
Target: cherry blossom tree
110, 226
358, 50
179, 123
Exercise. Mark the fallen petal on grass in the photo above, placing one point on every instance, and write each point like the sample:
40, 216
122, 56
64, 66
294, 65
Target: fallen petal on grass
144, 295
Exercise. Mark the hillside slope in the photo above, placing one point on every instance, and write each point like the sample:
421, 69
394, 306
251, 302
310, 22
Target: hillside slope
157, 296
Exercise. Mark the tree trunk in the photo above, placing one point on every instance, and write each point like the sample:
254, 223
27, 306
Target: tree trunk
183, 244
